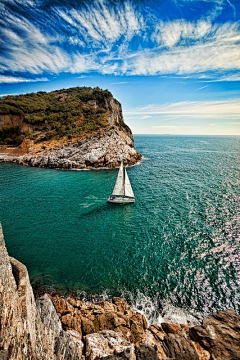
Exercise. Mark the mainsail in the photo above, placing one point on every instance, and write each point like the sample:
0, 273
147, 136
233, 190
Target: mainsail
119, 186
123, 186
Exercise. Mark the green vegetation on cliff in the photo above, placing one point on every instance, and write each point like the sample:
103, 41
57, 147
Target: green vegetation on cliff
51, 116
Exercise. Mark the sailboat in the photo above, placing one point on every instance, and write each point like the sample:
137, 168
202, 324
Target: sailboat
122, 192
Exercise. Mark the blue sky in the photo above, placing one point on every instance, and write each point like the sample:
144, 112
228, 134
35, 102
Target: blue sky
173, 64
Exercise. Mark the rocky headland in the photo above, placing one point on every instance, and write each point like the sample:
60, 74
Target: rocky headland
78, 128
51, 327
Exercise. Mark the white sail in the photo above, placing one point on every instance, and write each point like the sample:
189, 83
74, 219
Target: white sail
128, 187
119, 186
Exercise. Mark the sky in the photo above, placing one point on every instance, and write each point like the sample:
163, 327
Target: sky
174, 65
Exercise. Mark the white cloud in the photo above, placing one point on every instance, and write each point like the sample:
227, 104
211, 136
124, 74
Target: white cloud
101, 23
11, 79
202, 87
227, 109
119, 83
232, 77
170, 33
99, 37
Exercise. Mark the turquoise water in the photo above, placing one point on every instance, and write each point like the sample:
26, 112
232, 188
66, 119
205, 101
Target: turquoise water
178, 244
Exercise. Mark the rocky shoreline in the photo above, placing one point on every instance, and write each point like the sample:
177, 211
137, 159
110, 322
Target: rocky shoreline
105, 149
53, 327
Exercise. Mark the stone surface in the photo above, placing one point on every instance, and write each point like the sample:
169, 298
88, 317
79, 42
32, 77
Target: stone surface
171, 328
220, 335
146, 352
105, 149
107, 343
177, 346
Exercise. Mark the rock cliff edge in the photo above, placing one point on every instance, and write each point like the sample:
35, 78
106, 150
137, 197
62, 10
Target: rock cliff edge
77, 128
54, 328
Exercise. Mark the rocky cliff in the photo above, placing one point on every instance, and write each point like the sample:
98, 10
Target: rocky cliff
54, 328
74, 128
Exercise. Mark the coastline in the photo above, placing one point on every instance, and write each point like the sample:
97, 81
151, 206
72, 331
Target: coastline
51, 327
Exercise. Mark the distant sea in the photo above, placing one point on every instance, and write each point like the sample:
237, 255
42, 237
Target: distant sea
175, 253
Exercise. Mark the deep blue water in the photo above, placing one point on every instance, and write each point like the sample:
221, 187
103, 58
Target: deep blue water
177, 245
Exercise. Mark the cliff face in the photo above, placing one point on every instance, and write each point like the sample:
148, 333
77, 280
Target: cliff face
29, 329
74, 128
53, 328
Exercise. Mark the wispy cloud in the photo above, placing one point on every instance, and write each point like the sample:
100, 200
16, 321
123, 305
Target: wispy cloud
202, 87
119, 37
12, 79
227, 109
119, 83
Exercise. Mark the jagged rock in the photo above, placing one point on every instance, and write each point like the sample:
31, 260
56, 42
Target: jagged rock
171, 328
220, 335
87, 326
179, 348
137, 325
146, 352
58, 344
157, 332
107, 343
150, 340
29, 329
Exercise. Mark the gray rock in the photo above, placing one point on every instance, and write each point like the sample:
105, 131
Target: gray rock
106, 343
29, 329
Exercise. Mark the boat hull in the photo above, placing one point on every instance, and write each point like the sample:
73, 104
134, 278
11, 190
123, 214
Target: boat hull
120, 200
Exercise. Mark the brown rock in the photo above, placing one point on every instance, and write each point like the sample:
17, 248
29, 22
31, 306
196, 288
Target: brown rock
87, 326
148, 339
146, 352
71, 322
179, 348
137, 327
61, 305
157, 332
202, 353
171, 328
125, 332
185, 328
107, 306
101, 318
75, 303
121, 304
220, 335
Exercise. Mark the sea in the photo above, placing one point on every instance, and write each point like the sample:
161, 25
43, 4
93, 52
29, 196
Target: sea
174, 254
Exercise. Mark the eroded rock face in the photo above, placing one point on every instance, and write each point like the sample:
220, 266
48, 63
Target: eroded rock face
105, 149
220, 335
29, 329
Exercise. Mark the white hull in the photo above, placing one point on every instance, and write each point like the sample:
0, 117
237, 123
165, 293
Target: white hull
120, 200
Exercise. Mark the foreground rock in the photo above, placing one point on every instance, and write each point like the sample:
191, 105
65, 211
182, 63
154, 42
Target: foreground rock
54, 328
220, 335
